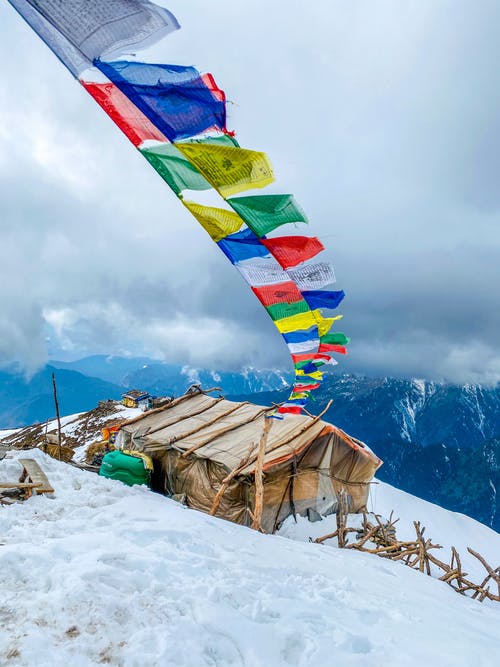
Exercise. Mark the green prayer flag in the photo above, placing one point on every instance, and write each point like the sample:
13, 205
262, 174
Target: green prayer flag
337, 338
278, 311
266, 212
176, 169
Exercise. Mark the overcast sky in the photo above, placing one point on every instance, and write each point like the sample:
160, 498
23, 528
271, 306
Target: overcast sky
381, 116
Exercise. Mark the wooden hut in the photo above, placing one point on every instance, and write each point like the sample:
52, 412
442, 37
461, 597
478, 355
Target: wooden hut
230, 459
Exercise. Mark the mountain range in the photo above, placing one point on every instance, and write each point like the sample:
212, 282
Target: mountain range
439, 441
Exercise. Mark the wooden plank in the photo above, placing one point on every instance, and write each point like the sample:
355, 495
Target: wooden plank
33, 472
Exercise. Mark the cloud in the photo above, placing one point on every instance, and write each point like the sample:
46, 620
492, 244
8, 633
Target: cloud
381, 117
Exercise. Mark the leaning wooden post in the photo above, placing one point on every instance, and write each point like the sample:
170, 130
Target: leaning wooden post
342, 508
259, 484
57, 414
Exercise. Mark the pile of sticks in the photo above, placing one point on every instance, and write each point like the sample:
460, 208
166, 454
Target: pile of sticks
380, 538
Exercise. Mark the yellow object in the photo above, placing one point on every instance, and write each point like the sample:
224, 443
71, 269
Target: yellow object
300, 321
218, 222
148, 461
325, 324
228, 169
316, 375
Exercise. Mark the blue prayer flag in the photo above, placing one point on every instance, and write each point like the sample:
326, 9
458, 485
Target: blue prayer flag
176, 99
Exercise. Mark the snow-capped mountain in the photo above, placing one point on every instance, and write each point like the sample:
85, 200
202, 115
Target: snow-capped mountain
409, 411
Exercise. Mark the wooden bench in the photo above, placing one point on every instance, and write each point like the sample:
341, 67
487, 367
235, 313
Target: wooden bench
32, 479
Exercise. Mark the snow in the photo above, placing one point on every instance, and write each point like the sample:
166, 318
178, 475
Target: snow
106, 574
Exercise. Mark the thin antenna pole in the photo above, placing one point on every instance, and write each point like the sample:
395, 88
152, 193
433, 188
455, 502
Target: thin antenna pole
57, 414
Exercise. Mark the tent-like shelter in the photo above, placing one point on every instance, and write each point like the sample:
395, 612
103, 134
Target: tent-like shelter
229, 459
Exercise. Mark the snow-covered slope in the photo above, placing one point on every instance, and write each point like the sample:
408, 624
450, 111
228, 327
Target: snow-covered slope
105, 574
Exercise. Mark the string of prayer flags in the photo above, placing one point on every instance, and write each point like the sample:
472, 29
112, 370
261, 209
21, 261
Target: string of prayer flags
176, 117
292, 250
229, 170
263, 213
218, 222
176, 99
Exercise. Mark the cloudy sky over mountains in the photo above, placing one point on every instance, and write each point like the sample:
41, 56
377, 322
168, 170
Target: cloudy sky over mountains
381, 116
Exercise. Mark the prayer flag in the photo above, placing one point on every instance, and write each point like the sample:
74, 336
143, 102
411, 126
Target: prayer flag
262, 271
263, 213
218, 222
174, 168
241, 246
132, 122
312, 276
79, 31
298, 322
287, 292
323, 298
279, 311
175, 98
335, 338
325, 323
293, 250
341, 349
229, 170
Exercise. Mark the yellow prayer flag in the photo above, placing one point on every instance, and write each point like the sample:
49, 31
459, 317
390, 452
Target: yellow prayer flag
316, 375
228, 169
218, 222
300, 321
325, 324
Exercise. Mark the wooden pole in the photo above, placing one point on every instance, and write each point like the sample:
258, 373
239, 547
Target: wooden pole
57, 414
259, 484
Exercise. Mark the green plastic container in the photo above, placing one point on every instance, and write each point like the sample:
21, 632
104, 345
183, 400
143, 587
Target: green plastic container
128, 469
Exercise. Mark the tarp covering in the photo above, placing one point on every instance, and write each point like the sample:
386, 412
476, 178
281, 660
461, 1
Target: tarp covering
132, 122
79, 31
229, 170
263, 213
218, 222
223, 436
293, 250
175, 98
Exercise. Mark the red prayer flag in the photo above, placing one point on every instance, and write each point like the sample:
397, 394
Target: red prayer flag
308, 355
291, 409
292, 250
297, 387
325, 347
286, 292
132, 122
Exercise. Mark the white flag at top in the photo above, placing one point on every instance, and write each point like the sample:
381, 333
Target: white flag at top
79, 31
